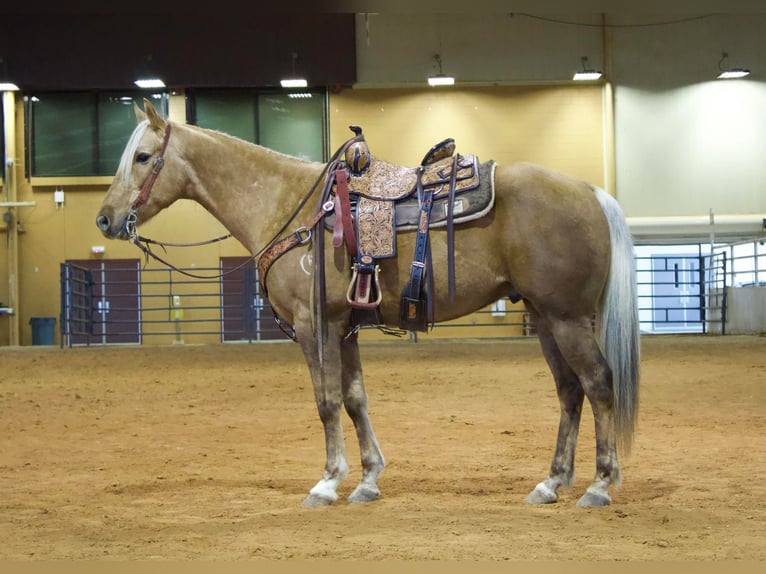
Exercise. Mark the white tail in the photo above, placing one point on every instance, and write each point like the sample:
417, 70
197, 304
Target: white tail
620, 334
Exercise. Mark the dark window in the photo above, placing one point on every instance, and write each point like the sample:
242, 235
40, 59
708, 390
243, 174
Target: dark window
81, 133
291, 123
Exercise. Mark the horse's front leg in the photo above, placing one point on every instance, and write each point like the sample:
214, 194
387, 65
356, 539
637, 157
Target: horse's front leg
355, 401
326, 379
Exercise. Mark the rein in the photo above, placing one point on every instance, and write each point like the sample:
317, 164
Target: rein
302, 234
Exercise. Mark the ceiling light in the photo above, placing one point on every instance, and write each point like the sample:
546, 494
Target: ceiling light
294, 83
734, 73
150, 83
586, 74
440, 79
299, 95
730, 73
5, 76
592, 75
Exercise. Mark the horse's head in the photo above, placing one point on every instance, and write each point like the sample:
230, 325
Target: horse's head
138, 191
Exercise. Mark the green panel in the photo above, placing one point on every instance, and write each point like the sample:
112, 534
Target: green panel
230, 113
291, 125
64, 135
116, 122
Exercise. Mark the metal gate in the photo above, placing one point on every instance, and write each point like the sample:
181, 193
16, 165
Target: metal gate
682, 293
100, 302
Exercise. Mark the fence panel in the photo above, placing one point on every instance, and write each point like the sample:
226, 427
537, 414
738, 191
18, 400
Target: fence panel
677, 294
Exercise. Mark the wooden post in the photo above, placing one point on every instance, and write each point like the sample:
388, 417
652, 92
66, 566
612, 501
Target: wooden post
9, 168
610, 166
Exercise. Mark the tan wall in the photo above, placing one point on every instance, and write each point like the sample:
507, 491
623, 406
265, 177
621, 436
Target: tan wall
557, 126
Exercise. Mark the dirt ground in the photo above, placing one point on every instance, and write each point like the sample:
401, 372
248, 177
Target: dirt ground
206, 452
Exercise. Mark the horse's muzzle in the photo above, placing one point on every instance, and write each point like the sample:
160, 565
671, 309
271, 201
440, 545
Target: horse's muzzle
110, 227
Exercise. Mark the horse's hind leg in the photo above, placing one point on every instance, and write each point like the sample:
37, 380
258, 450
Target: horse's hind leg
571, 397
355, 401
578, 347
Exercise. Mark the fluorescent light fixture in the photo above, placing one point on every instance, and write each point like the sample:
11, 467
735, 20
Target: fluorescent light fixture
150, 83
730, 73
294, 83
587, 75
441, 80
733, 73
8, 87
299, 95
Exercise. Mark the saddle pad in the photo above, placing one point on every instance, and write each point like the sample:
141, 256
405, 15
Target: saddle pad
469, 205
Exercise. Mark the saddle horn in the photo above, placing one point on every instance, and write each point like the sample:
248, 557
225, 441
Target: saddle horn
358, 156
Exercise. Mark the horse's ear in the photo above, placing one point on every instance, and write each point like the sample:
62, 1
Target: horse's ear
140, 115
155, 121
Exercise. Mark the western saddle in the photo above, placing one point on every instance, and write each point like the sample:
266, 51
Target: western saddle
373, 199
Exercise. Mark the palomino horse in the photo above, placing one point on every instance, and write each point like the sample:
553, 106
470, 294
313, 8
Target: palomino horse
559, 244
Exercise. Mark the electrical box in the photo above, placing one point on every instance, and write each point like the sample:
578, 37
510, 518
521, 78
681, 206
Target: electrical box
176, 313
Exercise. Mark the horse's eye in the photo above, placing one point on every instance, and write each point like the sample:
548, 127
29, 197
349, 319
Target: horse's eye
143, 157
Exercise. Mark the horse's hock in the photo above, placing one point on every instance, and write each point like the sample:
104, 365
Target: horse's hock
206, 453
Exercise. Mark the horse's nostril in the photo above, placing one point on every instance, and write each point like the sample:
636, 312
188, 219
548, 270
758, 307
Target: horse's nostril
102, 221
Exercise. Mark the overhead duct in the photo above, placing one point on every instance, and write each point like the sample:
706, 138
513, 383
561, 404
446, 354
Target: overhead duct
697, 229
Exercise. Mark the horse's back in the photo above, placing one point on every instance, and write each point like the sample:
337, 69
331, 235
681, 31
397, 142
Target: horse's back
555, 232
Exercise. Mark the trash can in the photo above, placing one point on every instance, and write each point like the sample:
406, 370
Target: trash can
43, 330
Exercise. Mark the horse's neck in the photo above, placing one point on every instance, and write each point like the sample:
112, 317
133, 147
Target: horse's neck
251, 190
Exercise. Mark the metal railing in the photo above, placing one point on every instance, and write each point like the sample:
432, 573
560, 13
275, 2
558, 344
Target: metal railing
682, 293
677, 294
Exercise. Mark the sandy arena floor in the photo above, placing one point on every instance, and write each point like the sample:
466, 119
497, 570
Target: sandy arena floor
206, 452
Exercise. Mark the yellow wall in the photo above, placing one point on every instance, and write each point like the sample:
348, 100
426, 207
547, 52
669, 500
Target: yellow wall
557, 126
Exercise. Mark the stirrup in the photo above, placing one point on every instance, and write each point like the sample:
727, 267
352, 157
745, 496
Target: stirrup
360, 287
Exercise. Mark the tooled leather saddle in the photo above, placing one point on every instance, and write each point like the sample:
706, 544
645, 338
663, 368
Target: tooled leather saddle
374, 199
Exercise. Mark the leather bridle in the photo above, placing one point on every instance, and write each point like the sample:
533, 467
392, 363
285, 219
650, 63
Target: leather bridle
146, 188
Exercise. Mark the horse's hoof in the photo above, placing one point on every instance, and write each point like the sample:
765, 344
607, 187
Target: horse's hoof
594, 498
364, 493
316, 501
541, 495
